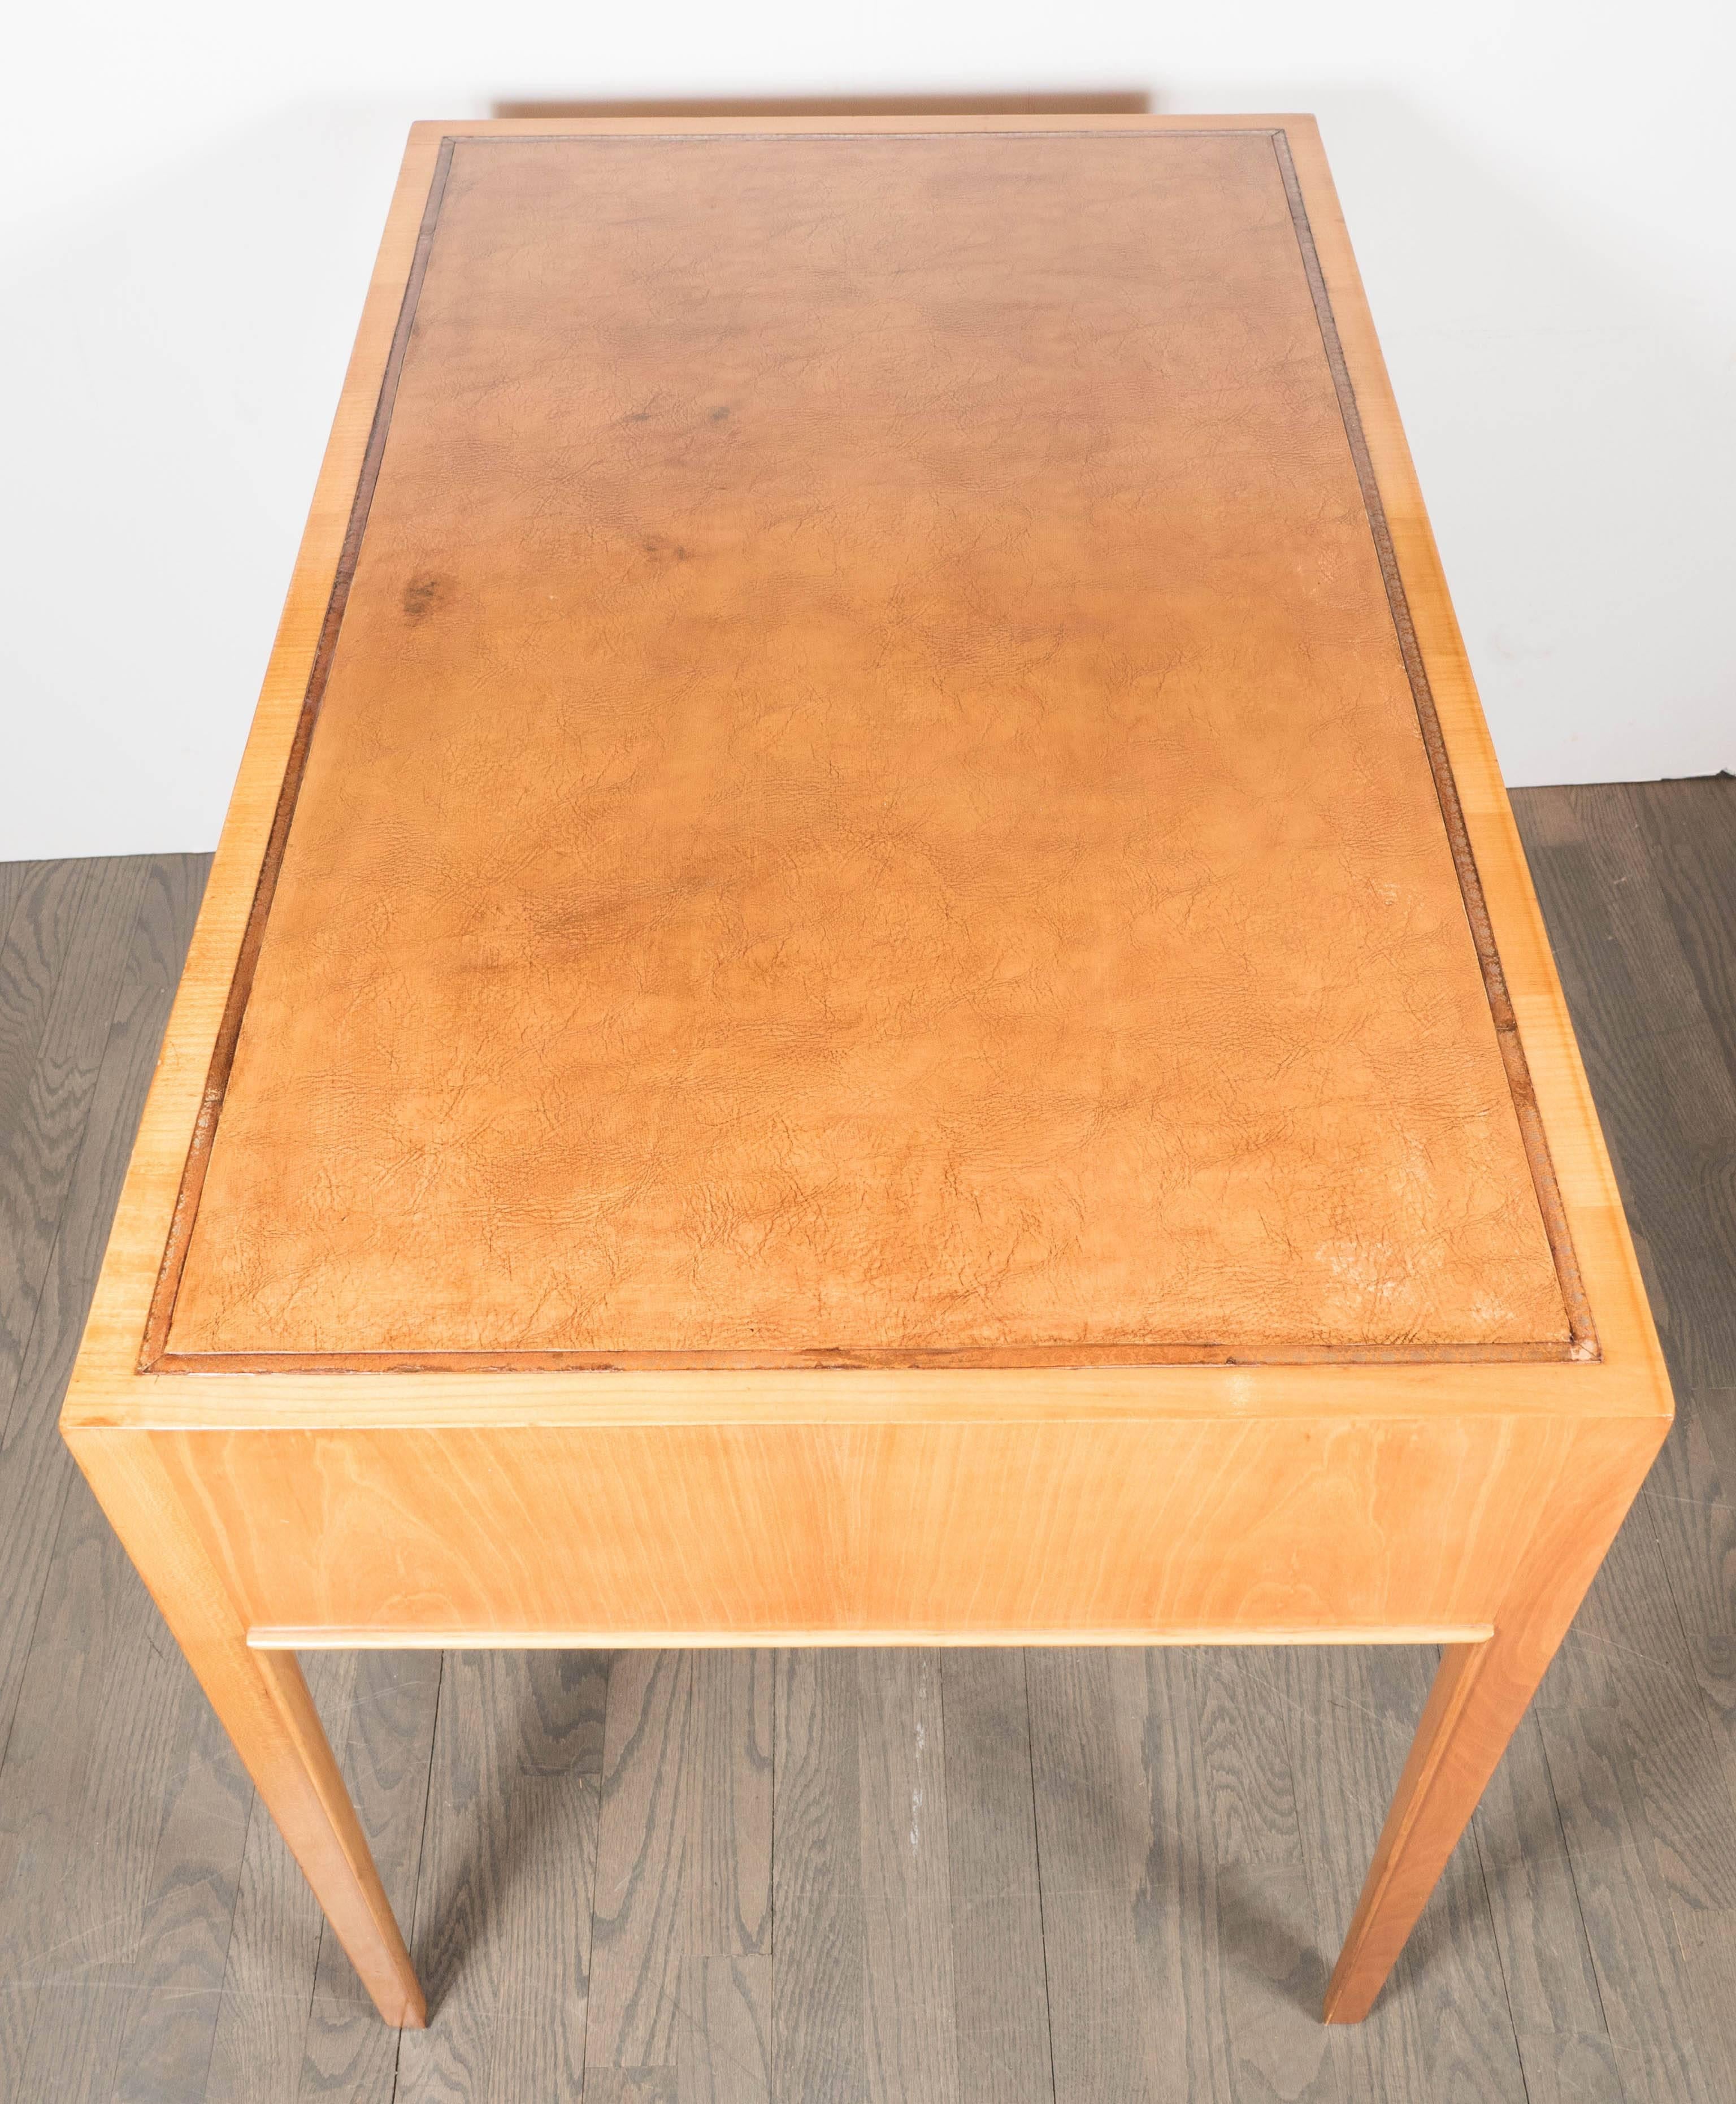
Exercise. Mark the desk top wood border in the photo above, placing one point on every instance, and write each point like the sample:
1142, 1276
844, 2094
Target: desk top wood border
1627, 1379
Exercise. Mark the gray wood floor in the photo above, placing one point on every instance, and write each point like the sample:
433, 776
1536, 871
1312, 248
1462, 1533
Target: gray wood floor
997, 1878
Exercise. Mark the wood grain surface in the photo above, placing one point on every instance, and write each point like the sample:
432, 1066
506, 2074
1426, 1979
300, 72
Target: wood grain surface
1201, 1529
1583, 1917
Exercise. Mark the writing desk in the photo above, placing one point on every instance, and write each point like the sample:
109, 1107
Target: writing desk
869, 980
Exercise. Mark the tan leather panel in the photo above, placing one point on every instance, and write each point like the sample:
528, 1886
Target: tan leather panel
868, 801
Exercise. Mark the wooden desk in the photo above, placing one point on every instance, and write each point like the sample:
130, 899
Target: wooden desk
869, 980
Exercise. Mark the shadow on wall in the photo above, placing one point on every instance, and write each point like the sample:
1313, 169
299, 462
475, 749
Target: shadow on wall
180, 345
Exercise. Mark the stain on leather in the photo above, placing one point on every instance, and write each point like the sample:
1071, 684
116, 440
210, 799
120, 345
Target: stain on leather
421, 593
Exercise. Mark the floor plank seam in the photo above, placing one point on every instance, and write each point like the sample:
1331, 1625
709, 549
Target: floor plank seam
421, 1855
1501, 1960
1036, 1845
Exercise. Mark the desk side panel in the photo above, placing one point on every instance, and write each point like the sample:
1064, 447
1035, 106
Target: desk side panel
992, 1531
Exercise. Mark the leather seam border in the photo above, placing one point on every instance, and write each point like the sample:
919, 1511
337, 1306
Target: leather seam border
1575, 1302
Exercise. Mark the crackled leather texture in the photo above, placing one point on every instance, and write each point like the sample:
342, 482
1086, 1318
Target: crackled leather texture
868, 800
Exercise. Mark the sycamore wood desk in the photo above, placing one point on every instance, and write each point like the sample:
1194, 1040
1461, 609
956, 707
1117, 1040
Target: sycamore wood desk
869, 980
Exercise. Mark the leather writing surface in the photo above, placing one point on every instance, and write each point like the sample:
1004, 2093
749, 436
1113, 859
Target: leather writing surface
867, 800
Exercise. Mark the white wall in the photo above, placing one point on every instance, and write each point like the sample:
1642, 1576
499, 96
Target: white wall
1540, 192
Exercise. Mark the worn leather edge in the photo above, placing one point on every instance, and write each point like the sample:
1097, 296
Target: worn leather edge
154, 1346
1574, 1300
1060, 1358
155, 1354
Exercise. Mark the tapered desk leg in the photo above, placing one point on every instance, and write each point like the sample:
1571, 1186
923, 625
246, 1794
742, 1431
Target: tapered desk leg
262, 1701
1480, 1694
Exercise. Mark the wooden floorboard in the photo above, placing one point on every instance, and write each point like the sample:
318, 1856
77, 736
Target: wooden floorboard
93, 1694
1690, 840
1657, 1060
1091, 1838
903, 1829
61, 971
504, 1890
682, 1946
385, 1739
1273, 1964
97, 1050
66, 954
1000, 1992
639, 1940
972, 1878
1639, 884
819, 2042
269, 1962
